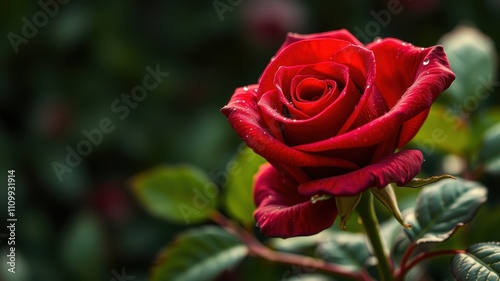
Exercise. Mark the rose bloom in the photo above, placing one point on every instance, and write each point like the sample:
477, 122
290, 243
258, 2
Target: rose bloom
328, 114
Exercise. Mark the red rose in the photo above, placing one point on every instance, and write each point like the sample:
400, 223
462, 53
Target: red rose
328, 114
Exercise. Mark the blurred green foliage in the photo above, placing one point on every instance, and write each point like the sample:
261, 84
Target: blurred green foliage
66, 77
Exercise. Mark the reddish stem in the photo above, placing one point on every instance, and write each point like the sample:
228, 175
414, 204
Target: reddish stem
407, 255
423, 256
258, 249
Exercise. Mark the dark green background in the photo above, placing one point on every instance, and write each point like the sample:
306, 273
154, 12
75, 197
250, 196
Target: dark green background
65, 78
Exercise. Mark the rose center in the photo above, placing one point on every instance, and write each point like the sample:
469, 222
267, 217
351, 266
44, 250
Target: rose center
311, 89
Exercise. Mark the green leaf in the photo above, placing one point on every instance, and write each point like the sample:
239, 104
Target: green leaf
83, 248
419, 182
443, 207
444, 131
479, 262
490, 150
472, 57
182, 194
391, 230
198, 255
347, 249
239, 199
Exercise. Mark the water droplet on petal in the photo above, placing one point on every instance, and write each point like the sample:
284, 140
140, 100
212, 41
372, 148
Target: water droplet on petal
404, 43
245, 88
426, 62
377, 39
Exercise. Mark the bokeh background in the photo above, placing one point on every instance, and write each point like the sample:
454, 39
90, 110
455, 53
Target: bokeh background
63, 80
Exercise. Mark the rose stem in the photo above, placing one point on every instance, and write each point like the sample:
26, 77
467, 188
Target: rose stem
366, 212
419, 258
258, 249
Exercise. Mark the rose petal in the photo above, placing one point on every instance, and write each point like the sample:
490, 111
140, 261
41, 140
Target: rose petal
244, 117
422, 86
342, 34
399, 168
287, 79
322, 125
283, 212
313, 51
400, 66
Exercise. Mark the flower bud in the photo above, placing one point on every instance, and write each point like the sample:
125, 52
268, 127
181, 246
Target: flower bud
387, 196
345, 207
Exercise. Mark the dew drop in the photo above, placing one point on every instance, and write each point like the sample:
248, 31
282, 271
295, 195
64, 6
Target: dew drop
422, 48
404, 43
426, 62
245, 88
377, 39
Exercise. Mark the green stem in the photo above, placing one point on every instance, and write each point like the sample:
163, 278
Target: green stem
367, 213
